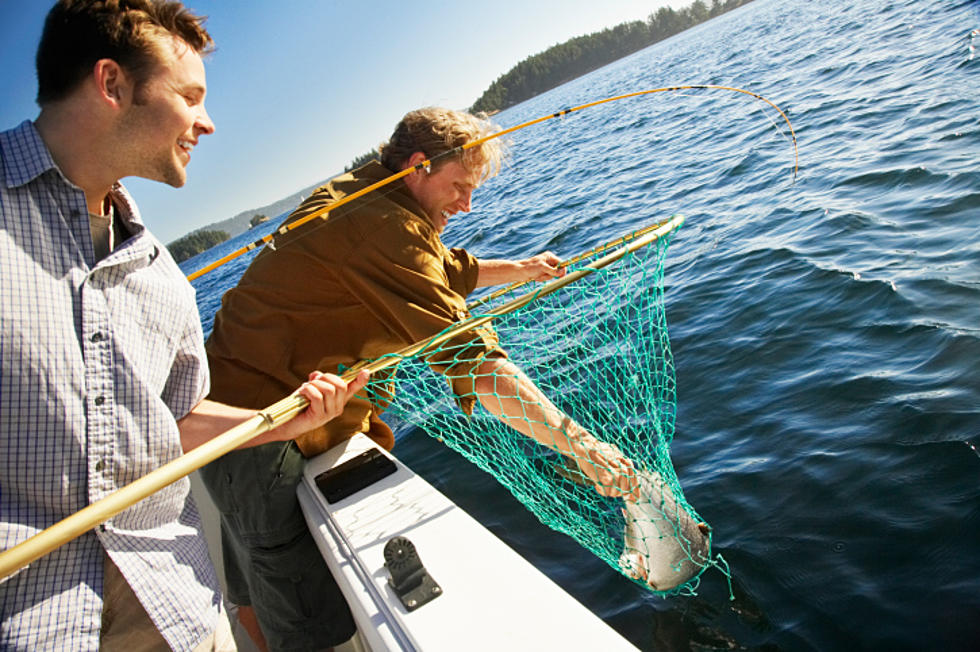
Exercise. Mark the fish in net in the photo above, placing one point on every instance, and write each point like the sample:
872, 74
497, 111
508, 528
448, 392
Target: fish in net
577, 421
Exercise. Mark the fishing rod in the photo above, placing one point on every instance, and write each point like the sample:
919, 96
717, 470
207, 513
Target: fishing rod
84, 520
322, 212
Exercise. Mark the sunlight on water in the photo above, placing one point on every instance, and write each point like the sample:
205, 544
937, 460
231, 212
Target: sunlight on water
825, 332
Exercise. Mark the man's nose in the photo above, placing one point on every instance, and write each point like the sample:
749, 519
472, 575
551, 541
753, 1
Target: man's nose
466, 201
203, 123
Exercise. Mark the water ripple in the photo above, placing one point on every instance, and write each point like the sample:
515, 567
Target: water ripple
826, 332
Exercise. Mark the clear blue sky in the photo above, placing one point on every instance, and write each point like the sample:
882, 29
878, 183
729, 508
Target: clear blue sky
297, 89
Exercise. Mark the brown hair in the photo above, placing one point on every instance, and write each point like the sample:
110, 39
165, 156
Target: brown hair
78, 33
435, 131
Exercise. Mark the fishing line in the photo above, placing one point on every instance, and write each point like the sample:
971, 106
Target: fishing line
269, 240
776, 127
14, 559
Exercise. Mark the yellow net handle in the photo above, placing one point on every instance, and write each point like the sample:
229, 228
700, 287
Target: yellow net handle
21, 555
82, 521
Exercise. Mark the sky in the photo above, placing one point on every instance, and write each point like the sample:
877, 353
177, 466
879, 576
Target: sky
299, 88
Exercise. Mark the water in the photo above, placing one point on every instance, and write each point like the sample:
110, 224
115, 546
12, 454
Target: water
825, 332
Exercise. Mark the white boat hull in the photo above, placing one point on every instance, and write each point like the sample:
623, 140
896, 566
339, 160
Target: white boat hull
491, 598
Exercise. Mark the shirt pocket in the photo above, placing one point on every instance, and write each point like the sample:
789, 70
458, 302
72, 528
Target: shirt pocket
153, 355
150, 321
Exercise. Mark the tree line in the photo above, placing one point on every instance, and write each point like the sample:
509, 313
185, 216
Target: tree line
362, 159
194, 243
583, 54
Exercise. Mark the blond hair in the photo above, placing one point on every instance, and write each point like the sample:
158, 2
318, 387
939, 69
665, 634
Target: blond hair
436, 132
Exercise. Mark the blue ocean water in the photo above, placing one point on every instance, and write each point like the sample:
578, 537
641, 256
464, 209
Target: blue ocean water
826, 332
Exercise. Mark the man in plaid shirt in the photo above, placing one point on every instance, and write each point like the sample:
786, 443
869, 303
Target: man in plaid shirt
104, 373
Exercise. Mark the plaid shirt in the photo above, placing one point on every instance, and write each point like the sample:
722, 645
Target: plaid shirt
98, 360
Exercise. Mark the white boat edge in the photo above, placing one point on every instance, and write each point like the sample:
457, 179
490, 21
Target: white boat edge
492, 597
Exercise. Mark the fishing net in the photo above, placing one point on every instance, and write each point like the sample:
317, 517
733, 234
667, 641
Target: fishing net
597, 349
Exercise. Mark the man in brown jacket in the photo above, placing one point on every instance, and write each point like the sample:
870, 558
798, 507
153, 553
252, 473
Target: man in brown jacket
371, 279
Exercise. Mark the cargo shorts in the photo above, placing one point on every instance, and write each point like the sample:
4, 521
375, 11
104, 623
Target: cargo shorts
271, 560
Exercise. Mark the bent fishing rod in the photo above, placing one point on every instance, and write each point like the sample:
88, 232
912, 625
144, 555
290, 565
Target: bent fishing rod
322, 213
20, 556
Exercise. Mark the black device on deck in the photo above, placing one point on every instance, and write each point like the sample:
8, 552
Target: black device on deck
408, 578
353, 475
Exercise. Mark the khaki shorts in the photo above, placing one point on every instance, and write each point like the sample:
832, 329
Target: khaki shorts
127, 627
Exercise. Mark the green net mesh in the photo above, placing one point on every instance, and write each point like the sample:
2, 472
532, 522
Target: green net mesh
591, 382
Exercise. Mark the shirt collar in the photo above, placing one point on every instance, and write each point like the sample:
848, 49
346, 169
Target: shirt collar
24, 155
126, 208
397, 191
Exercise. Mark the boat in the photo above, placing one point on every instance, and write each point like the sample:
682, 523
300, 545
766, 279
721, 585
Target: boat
394, 534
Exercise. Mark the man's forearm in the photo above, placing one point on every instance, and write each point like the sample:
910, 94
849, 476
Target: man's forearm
542, 267
326, 395
209, 419
508, 394
498, 272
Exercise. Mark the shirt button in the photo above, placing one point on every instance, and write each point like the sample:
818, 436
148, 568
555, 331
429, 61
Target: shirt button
99, 465
99, 400
97, 337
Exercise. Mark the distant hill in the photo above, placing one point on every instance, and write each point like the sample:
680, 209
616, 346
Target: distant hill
194, 243
240, 223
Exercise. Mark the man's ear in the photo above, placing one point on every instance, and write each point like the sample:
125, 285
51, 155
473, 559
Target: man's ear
111, 82
415, 159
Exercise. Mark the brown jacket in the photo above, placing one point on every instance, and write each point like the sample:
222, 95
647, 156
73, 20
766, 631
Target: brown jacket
369, 280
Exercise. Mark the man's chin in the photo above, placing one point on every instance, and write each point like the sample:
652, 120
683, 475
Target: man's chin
175, 178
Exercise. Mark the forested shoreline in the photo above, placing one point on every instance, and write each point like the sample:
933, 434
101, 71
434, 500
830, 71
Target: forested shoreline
534, 75
583, 54
194, 243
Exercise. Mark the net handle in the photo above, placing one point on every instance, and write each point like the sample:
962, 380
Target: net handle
571, 261
23, 554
